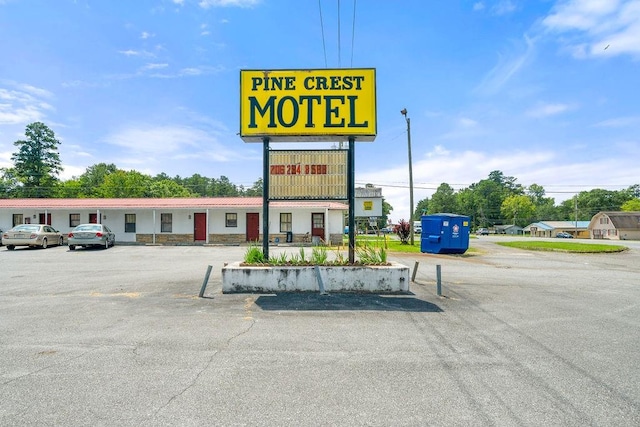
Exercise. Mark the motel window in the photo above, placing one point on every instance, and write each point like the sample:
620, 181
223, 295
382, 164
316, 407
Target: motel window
166, 220
18, 219
285, 222
129, 223
231, 220
74, 219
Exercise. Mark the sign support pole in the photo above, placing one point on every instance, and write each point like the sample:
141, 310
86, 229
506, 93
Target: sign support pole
351, 194
265, 197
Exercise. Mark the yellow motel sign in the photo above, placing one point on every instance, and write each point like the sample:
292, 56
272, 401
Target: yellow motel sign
308, 105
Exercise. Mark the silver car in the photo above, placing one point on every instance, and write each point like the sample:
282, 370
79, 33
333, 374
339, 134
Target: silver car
87, 235
31, 235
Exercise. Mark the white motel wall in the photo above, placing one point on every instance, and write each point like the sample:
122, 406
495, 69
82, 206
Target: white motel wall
184, 221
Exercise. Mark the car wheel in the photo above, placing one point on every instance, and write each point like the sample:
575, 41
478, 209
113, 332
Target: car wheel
44, 243
10, 247
61, 242
106, 244
72, 247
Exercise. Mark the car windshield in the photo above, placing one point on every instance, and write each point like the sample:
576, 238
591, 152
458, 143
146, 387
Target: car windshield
29, 228
88, 228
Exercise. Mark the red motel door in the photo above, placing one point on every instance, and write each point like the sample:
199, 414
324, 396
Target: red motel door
253, 227
43, 220
199, 227
317, 225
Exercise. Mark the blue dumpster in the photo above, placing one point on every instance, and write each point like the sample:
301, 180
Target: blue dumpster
445, 234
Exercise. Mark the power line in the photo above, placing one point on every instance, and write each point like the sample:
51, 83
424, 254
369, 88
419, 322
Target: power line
339, 55
353, 31
324, 47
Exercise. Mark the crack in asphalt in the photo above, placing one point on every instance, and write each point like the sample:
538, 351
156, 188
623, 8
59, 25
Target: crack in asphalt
204, 368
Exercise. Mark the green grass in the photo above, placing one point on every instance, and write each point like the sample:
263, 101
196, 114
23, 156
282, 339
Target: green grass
393, 244
574, 247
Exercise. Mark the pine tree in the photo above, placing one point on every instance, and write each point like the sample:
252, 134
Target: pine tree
37, 162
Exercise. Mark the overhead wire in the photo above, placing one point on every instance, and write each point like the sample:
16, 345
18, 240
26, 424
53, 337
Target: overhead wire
324, 46
339, 46
353, 34
353, 31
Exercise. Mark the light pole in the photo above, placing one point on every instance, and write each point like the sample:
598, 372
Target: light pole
404, 113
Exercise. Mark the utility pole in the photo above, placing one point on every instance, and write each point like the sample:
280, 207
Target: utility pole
404, 113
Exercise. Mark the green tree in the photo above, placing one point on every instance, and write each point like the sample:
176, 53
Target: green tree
545, 208
167, 188
69, 189
93, 177
124, 184
443, 200
8, 183
255, 190
588, 203
37, 162
197, 184
632, 205
421, 208
518, 208
224, 187
386, 210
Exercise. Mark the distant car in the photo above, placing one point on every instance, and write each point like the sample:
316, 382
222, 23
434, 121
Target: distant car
564, 235
31, 235
387, 230
88, 235
417, 230
482, 232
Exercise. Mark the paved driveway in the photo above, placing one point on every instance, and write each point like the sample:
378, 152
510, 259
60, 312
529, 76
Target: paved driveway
119, 337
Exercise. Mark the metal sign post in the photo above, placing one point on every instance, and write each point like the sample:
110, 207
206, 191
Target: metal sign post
265, 197
351, 190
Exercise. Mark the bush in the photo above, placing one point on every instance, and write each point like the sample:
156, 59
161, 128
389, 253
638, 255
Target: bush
403, 230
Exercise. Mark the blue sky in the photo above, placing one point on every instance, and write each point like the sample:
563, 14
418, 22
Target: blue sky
546, 91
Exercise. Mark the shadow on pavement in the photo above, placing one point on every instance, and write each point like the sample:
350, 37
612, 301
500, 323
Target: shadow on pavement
303, 301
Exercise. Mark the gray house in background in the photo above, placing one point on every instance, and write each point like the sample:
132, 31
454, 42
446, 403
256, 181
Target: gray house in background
511, 229
615, 226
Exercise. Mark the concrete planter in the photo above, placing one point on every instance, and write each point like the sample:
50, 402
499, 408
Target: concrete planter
389, 279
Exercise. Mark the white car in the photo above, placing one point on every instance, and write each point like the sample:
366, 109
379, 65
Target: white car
31, 235
87, 235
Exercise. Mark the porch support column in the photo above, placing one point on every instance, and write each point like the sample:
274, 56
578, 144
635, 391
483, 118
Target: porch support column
207, 227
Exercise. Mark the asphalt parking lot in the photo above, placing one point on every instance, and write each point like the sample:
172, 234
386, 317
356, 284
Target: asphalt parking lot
120, 337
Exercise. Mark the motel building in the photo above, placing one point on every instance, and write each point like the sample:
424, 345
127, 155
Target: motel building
185, 221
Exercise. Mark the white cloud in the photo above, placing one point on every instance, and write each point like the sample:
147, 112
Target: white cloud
205, 4
145, 35
179, 2
478, 6
620, 122
23, 104
508, 66
155, 66
170, 141
189, 72
546, 110
503, 7
597, 27
131, 52
467, 122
